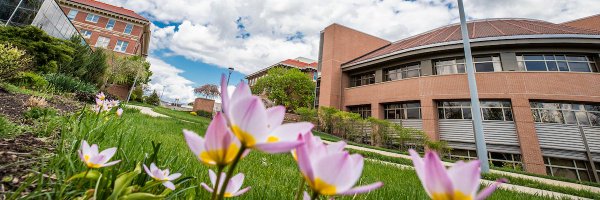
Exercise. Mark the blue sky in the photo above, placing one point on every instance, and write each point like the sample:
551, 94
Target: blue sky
193, 42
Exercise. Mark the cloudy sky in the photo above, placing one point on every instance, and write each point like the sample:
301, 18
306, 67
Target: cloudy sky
194, 41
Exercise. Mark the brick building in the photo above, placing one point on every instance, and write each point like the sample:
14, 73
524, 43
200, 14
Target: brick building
538, 83
305, 65
110, 27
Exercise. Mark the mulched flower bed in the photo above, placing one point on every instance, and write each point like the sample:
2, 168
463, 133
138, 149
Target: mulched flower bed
13, 106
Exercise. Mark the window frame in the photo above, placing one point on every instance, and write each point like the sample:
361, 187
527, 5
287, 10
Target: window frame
365, 78
363, 110
539, 108
98, 41
401, 71
87, 36
589, 60
114, 22
130, 29
456, 62
465, 107
92, 18
120, 46
74, 15
403, 108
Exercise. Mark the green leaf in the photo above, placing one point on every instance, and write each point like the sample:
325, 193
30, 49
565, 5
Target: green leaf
92, 175
124, 181
145, 196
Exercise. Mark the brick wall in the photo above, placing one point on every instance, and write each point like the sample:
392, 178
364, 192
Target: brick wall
204, 104
121, 91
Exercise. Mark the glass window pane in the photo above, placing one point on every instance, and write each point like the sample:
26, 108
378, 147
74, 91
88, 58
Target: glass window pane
484, 67
490, 104
552, 66
391, 76
400, 114
412, 73
461, 68
483, 59
466, 113
413, 105
569, 117
582, 118
535, 65
592, 107
390, 114
492, 114
562, 66
453, 113
560, 57
533, 57
579, 67
448, 69
441, 113
549, 57
413, 113
508, 114
594, 118
576, 58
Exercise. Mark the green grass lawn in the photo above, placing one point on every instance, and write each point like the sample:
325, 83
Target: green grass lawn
270, 176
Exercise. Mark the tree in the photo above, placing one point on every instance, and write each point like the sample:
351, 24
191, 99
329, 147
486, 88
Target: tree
288, 87
87, 65
153, 99
125, 69
209, 91
12, 61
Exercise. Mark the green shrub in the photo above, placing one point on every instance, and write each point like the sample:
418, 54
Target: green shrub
12, 61
38, 113
203, 113
30, 80
307, 114
65, 83
153, 99
7, 128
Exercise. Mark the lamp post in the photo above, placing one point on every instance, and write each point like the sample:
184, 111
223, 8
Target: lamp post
228, 76
482, 154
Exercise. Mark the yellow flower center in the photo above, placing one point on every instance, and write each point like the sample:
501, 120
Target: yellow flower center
220, 156
86, 157
245, 137
323, 187
458, 195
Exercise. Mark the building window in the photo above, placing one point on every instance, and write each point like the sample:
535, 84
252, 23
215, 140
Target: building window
86, 33
362, 79
402, 72
102, 42
363, 110
497, 159
72, 14
490, 110
92, 18
573, 169
556, 62
403, 110
457, 65
121, 46
566, 113
128, 29
111, 24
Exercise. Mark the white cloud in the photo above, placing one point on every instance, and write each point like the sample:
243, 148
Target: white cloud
208, 29
165, 78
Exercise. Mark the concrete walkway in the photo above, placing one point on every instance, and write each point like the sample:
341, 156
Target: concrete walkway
147, 111
506, 186
515, 175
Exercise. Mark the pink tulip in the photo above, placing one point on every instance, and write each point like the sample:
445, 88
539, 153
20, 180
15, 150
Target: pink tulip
233, 187
256, 126
90, 156
219, 147
328, 169
119, 112
162, 175
460, 181
101, 96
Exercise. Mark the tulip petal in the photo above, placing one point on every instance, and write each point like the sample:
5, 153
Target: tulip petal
290, 131
490, 189
235, 183
238, 193
212, 176
363, 189
216, 134
94, 149
147, 170
275, 116
304, 162
107, 154
248, 117
206, 187
169, 185
465, 177
111, 163
336, 147
174, 176
194, 142
85, 148
437, 180
306, 196
278, 147
334, 170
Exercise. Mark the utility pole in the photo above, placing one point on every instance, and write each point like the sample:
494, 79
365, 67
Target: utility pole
482, 153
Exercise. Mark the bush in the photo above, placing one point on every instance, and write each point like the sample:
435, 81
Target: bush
203, 113
12, 61
153, 99
38, 112
7, 128
307, 114
64, 83
30, 80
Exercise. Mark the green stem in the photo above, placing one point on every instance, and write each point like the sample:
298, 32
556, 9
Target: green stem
300, 189
230, 172
84, 176
216, 186
315, 195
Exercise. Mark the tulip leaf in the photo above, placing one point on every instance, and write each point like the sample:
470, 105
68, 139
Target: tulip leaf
92, 175
124, 181
140, 196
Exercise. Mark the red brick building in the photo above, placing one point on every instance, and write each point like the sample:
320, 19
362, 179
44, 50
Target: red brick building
106, 26
305, 65
538, 82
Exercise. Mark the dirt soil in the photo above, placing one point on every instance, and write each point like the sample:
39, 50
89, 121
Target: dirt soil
13, 105
18, 157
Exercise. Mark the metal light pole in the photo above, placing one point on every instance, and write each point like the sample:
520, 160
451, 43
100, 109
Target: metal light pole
482, 153
228, 76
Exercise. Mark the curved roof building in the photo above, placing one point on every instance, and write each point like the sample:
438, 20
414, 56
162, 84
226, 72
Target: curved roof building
538, 82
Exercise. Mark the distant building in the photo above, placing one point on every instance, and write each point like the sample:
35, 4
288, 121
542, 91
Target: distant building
44, 14
305, 65
538, 83
111, 27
